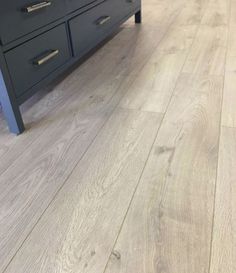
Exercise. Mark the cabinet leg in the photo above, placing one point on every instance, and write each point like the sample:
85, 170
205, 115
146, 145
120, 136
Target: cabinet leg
11, 110
138, 17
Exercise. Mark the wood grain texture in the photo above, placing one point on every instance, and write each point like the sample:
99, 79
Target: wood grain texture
231, 53
79, 229
36, 112
31, 182
178, 38
216, 13
154, 85
232, 18
190, 15
215, 16
224, 235
152, 89
229, 109
168, 226
207, 55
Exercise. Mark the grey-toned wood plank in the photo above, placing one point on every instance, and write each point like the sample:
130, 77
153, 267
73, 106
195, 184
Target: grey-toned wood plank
224, 236
154, 85
168, 226
78, 230
229, 109
207, 55
153, 88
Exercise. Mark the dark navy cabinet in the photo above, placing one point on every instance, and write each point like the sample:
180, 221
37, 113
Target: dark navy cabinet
40, 39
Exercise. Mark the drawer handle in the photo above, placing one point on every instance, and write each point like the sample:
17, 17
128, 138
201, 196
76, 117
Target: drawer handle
103, 20
130, 1
37, 6
46, 58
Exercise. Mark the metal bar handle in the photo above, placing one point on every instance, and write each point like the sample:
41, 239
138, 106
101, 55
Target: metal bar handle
103, 20
36, 7
46, 58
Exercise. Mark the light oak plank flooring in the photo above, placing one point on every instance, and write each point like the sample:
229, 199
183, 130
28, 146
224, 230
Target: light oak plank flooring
207, 55
168, 226
153, 88
224, 228
224, 232
128, 161
229, 108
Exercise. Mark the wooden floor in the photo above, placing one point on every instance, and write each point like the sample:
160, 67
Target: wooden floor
129, 161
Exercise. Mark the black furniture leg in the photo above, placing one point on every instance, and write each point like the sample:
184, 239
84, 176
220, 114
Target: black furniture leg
138, 17
10, 109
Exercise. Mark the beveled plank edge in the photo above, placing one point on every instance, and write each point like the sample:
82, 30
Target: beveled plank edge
220, 138
221, 157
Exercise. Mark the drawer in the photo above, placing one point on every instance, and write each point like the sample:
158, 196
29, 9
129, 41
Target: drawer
20, 17
34, 60
91, 27
77, 4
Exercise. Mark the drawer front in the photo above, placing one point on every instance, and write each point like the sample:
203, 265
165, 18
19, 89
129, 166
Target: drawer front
34, 60
77, 4
89, 28
20, 17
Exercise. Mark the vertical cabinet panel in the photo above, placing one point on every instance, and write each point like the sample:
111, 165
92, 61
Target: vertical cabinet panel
91, 27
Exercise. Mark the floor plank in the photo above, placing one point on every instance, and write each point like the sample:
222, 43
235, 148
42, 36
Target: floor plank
224, 235
229, 109
154, 85
215, 16
191, 14
231, 53
79, 229
207, 55
216, 13
168, 226
232, 18
178, 38
153, 88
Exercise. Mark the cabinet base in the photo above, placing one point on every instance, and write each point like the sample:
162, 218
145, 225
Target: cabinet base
10, 104
138, 17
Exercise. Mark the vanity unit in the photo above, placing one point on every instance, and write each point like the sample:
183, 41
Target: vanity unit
40, 40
